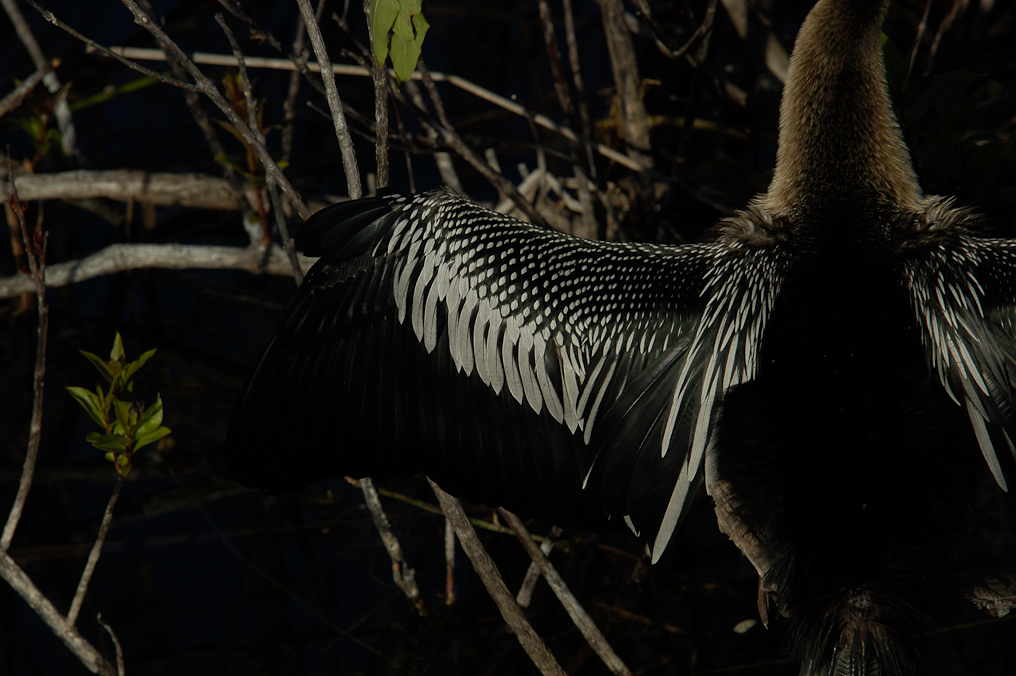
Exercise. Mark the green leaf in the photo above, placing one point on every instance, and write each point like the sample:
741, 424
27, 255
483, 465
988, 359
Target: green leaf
382, 16
91, 402
151, 418
117, 443
100, 365
126, 416
406, 52
117, 353
133, 366
403, 28
145, 439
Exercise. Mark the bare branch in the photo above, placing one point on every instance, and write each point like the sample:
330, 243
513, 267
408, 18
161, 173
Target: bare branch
597, 641
491, 577
380, 105
525, 595
270, 187
635, 123
23, 585
120, 257
402, 574
35, 252
288, 244
93, 557
120, 668
334, 104
199, 191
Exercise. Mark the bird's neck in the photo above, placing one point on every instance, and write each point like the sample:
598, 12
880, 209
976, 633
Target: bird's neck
840, 146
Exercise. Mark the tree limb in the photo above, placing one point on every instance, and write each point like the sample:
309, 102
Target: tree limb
121, 257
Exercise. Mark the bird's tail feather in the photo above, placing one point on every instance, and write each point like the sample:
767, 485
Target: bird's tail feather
865, 634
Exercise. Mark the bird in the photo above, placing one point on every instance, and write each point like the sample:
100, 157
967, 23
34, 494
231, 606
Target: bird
835, 364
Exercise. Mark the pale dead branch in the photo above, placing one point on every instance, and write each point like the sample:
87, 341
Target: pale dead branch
349, 165
198, 191
634, 121
121, 257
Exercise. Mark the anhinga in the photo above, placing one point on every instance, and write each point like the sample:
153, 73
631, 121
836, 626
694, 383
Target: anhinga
833, 363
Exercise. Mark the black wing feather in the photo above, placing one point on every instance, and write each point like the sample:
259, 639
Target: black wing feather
515, 366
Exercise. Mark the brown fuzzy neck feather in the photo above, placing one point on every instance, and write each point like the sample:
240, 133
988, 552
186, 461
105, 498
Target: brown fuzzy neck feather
840, 145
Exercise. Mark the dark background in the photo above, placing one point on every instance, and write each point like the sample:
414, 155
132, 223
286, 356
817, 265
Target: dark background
201, 576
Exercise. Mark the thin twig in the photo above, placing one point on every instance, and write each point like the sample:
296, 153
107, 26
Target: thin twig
35, 252
288, 244
525, 595
597, 641
248, 87
255, 30
943, 28
93, 45
93, 555
362, 71
349, 166
380, 106
120, 257
402, 574
503, 185
289, 105
270, 187
589, 229
922, 27
121, 669
554, 56
64, 120
207, 87
443, 159
491, 577
14, 99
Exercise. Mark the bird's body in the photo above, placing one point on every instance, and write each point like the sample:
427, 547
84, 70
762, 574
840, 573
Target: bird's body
833, 364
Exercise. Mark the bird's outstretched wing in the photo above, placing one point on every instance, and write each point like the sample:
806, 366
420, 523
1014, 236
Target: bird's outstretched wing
963, 292
565, 378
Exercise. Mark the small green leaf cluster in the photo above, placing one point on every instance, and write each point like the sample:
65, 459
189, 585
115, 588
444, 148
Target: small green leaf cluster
127, 425
405, 20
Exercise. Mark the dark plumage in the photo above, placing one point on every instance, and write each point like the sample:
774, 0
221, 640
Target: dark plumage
833, 364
